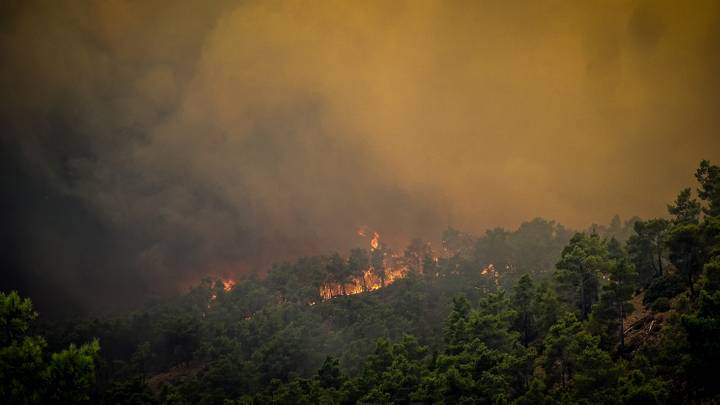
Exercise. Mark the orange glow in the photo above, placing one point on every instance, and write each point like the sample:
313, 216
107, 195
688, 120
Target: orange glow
394, 268
375, 241
491, 272
228, 285
370, 281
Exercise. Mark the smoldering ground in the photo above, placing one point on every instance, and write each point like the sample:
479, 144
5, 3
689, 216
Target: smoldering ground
146, 144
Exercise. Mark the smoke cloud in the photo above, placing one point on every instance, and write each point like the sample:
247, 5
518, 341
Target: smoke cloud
147, 144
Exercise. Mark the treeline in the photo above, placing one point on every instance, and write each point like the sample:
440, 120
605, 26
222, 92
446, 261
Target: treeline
623, 313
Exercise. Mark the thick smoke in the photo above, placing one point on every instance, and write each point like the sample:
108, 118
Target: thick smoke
146, 144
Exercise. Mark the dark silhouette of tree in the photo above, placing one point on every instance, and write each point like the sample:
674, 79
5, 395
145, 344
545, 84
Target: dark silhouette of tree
28, 375
581, 263
708, 176
647, 248
685, 209
522, 302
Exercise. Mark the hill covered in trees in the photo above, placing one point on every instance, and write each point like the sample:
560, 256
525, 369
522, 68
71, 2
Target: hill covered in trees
624, 313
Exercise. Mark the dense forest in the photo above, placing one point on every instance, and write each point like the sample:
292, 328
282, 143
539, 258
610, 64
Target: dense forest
623, 313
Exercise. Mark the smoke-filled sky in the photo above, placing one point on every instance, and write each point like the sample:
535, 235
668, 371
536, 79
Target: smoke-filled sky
148, 143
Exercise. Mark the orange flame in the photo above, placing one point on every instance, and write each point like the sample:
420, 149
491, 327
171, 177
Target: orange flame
370, 281
490, 269
375, 241
393, 268
228, 285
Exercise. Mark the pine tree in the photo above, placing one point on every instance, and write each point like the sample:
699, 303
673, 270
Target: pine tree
709, 178
685, 209
580, 265
609, 313
647, 248
522, 302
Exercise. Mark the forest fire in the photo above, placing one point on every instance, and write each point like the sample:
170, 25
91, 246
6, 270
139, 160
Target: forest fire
375, 241
228, 285
490, 271
388, 268
370, 281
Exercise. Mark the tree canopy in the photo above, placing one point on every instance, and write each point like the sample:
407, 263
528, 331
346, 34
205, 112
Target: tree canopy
624, 313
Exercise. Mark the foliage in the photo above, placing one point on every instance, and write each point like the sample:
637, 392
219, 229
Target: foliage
28, 375
581, 264
479, 322
647, 249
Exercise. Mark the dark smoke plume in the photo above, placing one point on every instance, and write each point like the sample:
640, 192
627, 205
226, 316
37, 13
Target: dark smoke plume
148, 144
